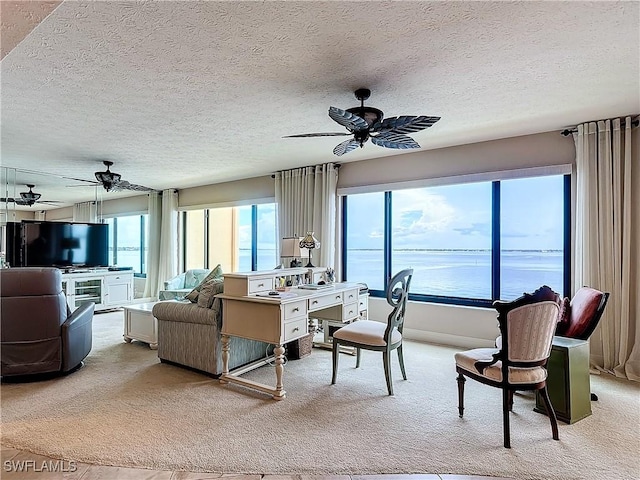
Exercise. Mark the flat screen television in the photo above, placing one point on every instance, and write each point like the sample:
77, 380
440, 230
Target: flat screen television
65, 244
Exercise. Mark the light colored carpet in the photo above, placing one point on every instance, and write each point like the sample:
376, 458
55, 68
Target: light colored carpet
125, 408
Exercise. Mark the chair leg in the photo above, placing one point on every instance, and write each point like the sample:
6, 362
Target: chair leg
511, 400
386, 359
551, 413
461, 381
505, 418
334, 353
357, 357
401, 360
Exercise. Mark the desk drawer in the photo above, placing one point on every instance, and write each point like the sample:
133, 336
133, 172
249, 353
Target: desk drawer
325, 300
295, 329
351, 296
350, 312
295, 309
260, 285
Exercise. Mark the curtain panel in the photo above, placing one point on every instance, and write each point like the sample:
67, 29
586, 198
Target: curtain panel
607, 243
306, 202
162, 253
85, 212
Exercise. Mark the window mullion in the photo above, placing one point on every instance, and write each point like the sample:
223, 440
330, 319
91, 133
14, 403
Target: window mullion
387, 237
495, 240
254, 237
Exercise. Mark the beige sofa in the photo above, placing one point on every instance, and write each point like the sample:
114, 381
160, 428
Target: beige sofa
189, 335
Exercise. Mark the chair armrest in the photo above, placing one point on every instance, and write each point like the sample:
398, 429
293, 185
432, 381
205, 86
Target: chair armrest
77, 336
176, 282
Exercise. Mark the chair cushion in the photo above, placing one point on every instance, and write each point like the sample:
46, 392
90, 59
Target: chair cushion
215, 273
366, 332
466, 360
583, 307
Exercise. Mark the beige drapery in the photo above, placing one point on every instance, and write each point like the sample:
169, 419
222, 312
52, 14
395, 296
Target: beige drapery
306, 200
162, 253
85, 212
607, 243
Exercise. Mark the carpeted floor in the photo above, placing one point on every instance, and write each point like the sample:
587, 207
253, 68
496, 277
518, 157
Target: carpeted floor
125, 408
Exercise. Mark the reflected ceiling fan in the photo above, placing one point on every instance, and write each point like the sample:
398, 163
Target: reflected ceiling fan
366, 123
29, 198
112, 181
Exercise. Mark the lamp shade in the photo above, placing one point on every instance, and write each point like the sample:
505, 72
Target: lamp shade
309, 241
290, 247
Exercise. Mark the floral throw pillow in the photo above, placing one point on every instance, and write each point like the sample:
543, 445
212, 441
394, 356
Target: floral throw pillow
193, 294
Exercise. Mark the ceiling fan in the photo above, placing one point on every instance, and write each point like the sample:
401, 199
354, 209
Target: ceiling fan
366, 123
29, 198
111, 181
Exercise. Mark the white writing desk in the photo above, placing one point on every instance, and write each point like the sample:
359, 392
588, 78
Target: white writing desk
277, 320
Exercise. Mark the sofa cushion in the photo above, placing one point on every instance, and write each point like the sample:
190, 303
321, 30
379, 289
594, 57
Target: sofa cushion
215, 273
208, 291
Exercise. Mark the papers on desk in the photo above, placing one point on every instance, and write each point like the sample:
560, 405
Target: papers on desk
278, 296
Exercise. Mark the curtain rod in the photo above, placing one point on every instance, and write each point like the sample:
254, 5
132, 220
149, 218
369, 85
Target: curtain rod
337, 165
568, 131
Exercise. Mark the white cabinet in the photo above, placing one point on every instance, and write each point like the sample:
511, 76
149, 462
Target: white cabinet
105, 288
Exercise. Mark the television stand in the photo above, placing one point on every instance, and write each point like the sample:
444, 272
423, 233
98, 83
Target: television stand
106, 289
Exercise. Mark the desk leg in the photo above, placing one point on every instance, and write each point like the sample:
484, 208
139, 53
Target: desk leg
225, 358
279, 361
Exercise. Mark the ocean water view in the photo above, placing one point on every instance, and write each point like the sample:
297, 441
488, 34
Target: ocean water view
459, 273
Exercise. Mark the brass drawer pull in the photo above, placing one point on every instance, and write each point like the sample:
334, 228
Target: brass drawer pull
314, 302
296, 309
337, 297
296, 329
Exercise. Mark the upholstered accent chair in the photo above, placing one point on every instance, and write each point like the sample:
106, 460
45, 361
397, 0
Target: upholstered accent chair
180, 286
378, 336
39, 333
528, 324
581, 315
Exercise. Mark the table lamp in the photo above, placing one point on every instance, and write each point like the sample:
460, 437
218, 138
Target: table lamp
309, 242
290, 248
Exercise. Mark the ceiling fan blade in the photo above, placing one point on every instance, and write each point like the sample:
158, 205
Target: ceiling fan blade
346, 147
328, 134
405, 124
353, 122
124, 185
394, 140
50, 202
93, 182
7, 200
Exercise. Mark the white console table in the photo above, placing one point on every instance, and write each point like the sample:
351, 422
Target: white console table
247, 313
107, 289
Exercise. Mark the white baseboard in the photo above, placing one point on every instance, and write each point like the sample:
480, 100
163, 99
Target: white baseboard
447, 339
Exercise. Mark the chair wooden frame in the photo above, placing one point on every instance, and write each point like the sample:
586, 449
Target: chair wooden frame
543, 294
396, 297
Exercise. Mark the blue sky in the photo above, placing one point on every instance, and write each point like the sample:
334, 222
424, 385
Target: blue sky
459, 216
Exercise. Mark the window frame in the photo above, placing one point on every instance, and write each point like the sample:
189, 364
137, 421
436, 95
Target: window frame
143, 239
495, 247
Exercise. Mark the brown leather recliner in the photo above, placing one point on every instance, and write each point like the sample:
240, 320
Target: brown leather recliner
39, 334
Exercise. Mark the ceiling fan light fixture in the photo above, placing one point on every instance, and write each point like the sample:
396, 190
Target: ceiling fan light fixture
30, 196
368, 114
109, 179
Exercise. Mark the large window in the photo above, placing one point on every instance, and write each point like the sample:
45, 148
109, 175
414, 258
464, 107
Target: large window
237, 238
128, 242
467, 244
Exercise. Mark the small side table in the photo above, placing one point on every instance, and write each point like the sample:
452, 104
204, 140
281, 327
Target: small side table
568, 380
140, 324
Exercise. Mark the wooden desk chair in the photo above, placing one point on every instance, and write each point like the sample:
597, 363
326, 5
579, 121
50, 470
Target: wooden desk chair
528, 323
381, 337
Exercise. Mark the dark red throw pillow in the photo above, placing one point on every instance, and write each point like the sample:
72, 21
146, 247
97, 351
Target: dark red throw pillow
583, 307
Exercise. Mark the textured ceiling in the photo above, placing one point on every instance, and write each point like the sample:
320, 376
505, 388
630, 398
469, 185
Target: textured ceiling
181, 94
